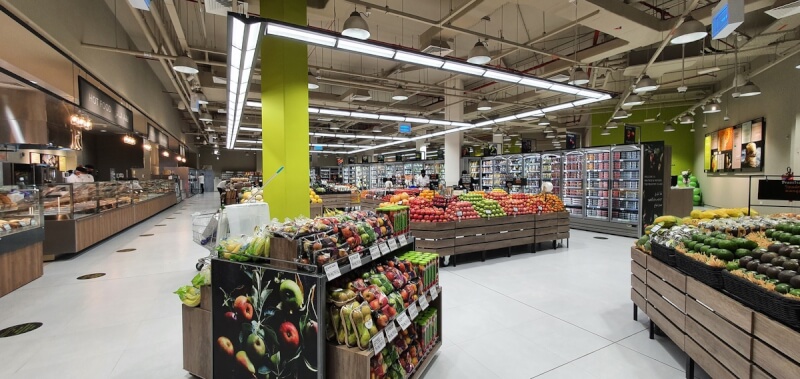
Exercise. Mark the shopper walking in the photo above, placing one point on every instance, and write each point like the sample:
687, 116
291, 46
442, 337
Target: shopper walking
202, 179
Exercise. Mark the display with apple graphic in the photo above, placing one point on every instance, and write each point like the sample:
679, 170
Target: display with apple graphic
265, 322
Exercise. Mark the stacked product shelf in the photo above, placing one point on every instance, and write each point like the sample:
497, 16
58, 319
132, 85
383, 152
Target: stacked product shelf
597, 183
573, 183
533, 171
516, 165
487, 172
551, 170
625, 197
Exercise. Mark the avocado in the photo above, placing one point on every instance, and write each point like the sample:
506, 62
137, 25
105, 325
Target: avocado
795, 254
705, 249
770, 232
743, 261
762, 277
768, 257
795, 292
773, 281
713, 242
785, 237
690, 244
773, 271
783, 288
749, 245
698, 237
741, 253
785, 251
724, 254
786, 275
762, 268
791, 264
779, 261
795, 240
728, 245
795, 281
752, 265
774, 247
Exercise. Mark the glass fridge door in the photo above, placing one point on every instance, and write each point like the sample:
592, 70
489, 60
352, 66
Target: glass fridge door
533, 172
515, 170
487, 172
500, 167
551, 170
597, 183
573, 183
626, 191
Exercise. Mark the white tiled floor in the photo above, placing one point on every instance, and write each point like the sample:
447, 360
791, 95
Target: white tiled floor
553, 314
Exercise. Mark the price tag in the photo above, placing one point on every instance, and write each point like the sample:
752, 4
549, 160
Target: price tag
375, 252
403, 320
332, 271
423, 303
459, 213
384, 248
403, 240
378, 342
516, 210
488, 212
413, 311
392, 244
655, 229
434, 293
391, 332
355, 260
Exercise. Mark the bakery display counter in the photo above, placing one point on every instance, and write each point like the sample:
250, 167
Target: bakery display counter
79, 215
21, 236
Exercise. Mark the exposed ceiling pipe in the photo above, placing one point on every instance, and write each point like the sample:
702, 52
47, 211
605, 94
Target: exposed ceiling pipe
434, 23
146, 54
661, 48
172, 11
164, 63
456, 12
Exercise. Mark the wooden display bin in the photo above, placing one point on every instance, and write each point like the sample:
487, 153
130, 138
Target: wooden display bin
352, 363
315, 210
338, 200
197, 336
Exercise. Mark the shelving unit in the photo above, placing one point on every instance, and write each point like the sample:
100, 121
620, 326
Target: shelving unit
515, 169
573, 192
532, 166
626, 193
598, 163
551, 170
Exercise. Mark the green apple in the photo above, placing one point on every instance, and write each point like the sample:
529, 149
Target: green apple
256, 345
291, 294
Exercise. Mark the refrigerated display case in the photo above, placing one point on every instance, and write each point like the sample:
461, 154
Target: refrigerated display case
573, 193
377, 174
493, 172
21, 236
597, 183
626, 188
551, 170
473, 166
533, 172
515, 169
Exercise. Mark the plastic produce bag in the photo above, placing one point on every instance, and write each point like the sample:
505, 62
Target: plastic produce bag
189, 295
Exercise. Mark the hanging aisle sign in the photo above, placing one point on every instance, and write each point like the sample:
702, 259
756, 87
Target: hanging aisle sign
98, 102
726, 17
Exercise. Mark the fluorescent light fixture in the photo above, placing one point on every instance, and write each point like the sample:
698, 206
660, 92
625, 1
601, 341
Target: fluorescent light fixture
531, 82
463, 68
313, 110
417, 120
399, 151
585, 101
334, 127
365, 48
356, 136
391, 118
334, 145
484, 123
254, 104
334, 112
300, 34
557, 107
499, 75
462, 124
247, 141
369, 116
504, 119
530, 114
246, 129
247, 148
707, 70
420, 59
439, 122
633, 100
243, 33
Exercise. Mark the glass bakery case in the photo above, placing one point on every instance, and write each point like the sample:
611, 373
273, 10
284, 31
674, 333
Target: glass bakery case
134, 191
70, 201
20, 210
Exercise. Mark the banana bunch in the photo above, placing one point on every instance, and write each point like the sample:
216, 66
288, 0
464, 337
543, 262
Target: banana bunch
227, 248
189, 295
332, 212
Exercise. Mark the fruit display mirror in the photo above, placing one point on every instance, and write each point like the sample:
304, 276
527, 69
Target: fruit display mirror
265, 322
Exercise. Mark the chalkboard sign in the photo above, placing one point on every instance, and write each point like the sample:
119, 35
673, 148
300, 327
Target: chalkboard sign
653, 182
779, 190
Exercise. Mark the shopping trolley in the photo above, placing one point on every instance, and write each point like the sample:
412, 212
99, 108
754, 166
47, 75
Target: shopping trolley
204, 233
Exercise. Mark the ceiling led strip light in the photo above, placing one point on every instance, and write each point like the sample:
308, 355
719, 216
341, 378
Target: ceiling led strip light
243, 37
367, 47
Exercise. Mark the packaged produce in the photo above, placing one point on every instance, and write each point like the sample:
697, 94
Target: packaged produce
362, 323
351, 335
374, 297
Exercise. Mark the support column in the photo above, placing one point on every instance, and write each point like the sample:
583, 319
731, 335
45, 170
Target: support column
284, 117
453, 111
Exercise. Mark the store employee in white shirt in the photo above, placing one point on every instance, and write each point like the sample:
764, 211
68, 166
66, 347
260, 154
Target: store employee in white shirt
80, 175
422, 180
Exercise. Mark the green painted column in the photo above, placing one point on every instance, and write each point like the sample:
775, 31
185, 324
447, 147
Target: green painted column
284, 113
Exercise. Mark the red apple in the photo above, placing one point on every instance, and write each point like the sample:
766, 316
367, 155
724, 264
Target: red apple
245, 310
289, 337
226, 345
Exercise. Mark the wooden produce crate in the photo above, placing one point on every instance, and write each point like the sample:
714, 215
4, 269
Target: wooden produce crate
775, 348
338, 200
494, 233
344, 362
666, 300
638, 281
370, 204
315, 210
196, 322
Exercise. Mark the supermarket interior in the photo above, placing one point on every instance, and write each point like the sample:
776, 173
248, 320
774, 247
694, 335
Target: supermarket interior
399, 189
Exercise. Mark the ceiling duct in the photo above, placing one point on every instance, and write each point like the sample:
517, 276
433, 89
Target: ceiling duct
438, 48
357, 95
222, 7
317, 4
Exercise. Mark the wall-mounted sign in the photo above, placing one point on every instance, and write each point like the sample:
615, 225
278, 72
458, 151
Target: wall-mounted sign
726, 16
163, 140
98, 102
380, 158
779, 190
735, 148
182, 150
317, 147
630, 134
152, 133
405, 128
365, 159
572, 141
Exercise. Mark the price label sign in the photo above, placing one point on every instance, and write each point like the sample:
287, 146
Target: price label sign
403, 320
375, 252
332, 271
459, 213
355, 260
413, 312
385, 249
378, 342
403, 240
655, 229
423, 303
391, 332
488, 212
393, 244
434, 293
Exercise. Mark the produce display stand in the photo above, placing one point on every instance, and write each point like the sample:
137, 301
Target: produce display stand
336, 200
484, 234
315, 210
726, 338
204, 324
